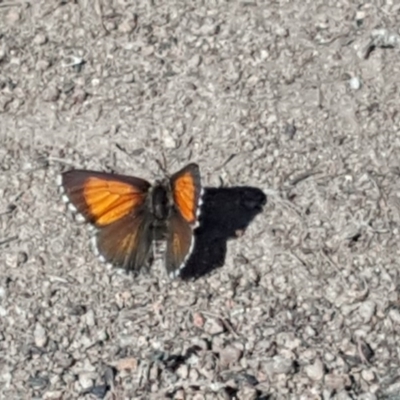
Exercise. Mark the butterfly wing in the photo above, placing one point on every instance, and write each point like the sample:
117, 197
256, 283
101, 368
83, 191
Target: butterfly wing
180, 242
127, 242
116, 205
103, 198
187, 191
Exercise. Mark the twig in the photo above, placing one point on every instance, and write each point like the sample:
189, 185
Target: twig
228, 326
8, 240
302, 177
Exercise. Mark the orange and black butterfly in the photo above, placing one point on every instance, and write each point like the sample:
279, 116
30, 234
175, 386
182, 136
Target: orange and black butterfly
129, 213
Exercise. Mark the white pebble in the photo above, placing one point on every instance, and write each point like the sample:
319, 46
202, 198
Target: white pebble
394, 315
40, 335
367, 310
169, 142
355, 83
85, 380
315, 371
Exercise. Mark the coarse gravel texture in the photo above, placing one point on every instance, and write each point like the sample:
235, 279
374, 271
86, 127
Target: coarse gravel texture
299, 100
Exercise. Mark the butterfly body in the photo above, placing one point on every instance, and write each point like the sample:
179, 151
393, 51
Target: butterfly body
161, 200
130, 213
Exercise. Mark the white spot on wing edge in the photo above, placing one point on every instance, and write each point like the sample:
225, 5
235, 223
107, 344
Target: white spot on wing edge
72, 208
93, 243
79, 218
198, 211
59, 180
173, 274
95, 249
91, 228
110, 267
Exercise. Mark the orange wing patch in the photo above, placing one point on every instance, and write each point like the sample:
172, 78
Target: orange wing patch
185, 196
108, 201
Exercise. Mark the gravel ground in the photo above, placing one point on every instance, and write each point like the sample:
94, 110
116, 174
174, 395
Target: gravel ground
296, 100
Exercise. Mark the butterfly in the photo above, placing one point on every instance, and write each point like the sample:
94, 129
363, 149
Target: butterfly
129, 214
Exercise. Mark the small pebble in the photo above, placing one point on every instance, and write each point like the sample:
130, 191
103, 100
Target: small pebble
102, 335
128, 78
367, 310
368, 396
213, 326
315, 371
381, 37
169, 142
51, 94
336, 382
183, 371
229, 355
38, 382
53, 395
180, 395
148, 50
130, 363
40, 335
128, 25
193, 375
3, 53
99, 391
247, 393
282, 365
329, 357
42, 65
79, 95
40, 39
89, 317
310, 332
343, 395
360, 16
13, 16
218, 344
22, 258
355, 83
86, 380
110, 25
394, 315
368, 375
195, 61
154, 372
198, 320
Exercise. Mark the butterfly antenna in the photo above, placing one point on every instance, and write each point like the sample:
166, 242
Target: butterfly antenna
162, 164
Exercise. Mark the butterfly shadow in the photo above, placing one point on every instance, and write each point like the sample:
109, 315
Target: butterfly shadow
225, 213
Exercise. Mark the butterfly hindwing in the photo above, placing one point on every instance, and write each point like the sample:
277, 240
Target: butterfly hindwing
103, 198
127, 242
186, 191
180, 241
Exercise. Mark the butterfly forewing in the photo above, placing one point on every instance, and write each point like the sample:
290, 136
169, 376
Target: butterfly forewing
186, 191
104, 198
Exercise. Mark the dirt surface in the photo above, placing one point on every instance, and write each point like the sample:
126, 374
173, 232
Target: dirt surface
299, 100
